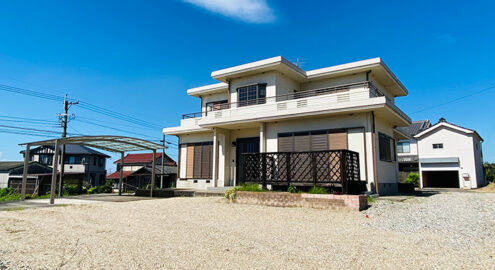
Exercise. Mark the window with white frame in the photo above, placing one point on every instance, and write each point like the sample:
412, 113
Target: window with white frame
403, 147
251, 94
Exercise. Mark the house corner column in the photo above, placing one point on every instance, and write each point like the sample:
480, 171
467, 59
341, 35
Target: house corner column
262, 137
215, 158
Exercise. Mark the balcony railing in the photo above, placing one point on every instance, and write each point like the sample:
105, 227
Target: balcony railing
334, 168
372, 90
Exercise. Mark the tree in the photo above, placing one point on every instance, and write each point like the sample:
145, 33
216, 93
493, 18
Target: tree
489, 171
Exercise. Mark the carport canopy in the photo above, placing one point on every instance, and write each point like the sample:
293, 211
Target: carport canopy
116, 144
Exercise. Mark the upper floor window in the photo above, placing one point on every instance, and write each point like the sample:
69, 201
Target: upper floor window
46, 159
437, 145
403, 147
217, 105
251, 94
74, 160
386, 147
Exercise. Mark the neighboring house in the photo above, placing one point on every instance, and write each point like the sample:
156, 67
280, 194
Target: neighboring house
450, 156
322, 122
38, 177
82, 164
407, 150
137, 171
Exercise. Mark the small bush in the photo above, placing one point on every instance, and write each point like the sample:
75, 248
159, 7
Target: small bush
292, 189
6, 191
317, 190
92, 190
71, 189
230, 194
413, 178
371, 199
8, 194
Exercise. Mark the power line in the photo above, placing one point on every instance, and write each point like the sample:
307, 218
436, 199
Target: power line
84, 105
116, 129
454, 100
33, 129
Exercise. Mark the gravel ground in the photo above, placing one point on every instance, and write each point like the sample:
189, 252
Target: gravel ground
209, 233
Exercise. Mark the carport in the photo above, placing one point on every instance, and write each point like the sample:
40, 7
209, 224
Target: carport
115, 144
439, 172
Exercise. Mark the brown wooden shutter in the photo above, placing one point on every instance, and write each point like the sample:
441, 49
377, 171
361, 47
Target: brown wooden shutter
301, 143
286, 144
337, 140
190, 161
206, 161
319, 142
197, 160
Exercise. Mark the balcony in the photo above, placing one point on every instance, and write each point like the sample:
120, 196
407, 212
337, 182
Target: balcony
341, 93
348, 98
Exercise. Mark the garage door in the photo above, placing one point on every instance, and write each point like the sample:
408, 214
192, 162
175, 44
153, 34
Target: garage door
441, 179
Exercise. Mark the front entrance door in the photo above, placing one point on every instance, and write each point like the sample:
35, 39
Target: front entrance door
245, 145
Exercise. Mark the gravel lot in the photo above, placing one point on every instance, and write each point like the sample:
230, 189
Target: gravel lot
445, 231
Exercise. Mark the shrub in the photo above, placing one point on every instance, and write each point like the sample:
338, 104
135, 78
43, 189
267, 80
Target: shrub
292, 189
6, 191
71, 189
8, 194
230, 193
317, 190
92, 190
413, 178
251, 187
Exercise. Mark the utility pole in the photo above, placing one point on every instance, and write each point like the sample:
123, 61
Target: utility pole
163, 158
64, 118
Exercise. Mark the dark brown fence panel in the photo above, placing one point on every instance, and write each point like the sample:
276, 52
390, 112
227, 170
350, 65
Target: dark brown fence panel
338, 168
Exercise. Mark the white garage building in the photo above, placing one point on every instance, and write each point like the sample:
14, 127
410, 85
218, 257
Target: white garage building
450, 156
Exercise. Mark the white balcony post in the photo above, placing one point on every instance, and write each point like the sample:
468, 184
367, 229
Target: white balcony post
215, 157
262, 137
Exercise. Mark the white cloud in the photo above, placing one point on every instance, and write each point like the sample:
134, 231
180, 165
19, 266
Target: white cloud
250, 11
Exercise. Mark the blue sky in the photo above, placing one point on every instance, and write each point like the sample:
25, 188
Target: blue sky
139, 57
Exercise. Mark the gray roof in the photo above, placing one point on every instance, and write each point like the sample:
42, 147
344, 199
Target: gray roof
9, 165
74, 149
415, 127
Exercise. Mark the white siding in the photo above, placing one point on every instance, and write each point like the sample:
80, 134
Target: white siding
455, 144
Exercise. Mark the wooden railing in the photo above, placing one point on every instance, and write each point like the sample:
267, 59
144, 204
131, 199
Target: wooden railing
333, 168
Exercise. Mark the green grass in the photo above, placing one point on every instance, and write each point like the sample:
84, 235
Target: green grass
252, 187
317, 190
371, 199
16, 208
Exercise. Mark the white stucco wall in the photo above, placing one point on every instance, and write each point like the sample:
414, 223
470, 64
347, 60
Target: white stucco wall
455, 144
388, 171
4, 180
322, 83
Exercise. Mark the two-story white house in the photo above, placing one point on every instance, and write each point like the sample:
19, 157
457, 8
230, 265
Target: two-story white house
450, 156
271, 122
